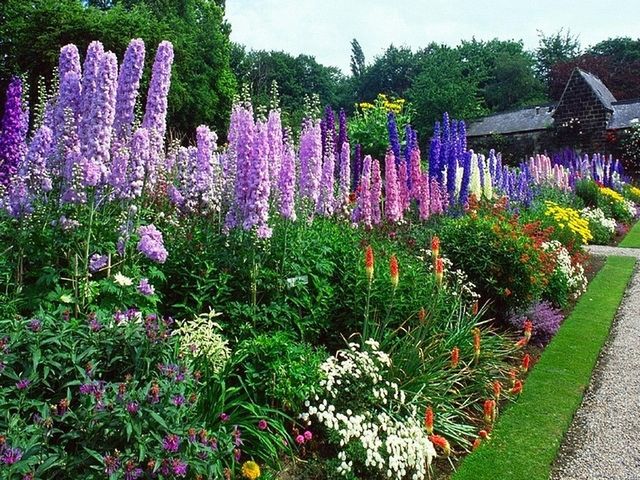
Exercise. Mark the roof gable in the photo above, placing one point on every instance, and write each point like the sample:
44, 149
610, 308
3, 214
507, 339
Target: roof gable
600, 91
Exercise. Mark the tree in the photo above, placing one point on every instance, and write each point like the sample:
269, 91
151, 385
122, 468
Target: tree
622, 49
444, 84
390, 73
202, 84
357, 59
513, 84
558, 47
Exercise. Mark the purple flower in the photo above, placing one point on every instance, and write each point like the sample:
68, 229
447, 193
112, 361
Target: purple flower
89, 83
308, 435
140, 161
131, 472
224, 417
179, 468
98, 262
326, 200
287, 184
310, 160
133, 408
111, 464
128, 85
12, 132
145, 288
256, 215
35, 325
262, 424
94, 324
362, 213
345, 172
394, 139
392, 203
23, 383
545, 318
151, 243
178, 400
10, 455
171, 443
376, 192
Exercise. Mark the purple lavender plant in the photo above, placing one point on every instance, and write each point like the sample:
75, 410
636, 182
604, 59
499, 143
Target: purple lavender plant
546, 320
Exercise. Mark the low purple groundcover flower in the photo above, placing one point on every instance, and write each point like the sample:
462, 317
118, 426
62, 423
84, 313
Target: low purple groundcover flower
171, 443
10, 456
546, 320
151, 243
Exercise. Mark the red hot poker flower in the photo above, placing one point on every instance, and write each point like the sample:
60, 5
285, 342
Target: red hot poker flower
439, 270
435, 247
517, 387
489, 411
394, 271
368, 262
476, 443
526, 362
428, 420
455, 357
476, 341
528, 328
442, 443
497, 388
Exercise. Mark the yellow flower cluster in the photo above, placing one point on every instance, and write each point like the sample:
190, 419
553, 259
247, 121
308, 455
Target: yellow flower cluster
251, 470
633, 193
612, 194
383, 102
569, 218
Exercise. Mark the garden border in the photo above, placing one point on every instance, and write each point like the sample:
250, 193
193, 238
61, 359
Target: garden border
632, 238
526, 439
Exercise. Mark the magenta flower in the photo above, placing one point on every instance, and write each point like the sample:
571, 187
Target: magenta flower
224, 417
171, 443
111, 464
300, 439
262, 424
23, 383
10, 456
179, 468
133, 408
308, 435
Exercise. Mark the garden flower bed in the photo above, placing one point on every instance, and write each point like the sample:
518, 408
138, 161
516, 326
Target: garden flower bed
282, 305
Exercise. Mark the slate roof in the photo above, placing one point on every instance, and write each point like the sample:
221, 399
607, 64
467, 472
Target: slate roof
599, 88
625, 114
525, 120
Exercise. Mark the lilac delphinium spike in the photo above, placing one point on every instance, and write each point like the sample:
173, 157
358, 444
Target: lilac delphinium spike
155, 114
96, 151
69, 61
241, 141
415, 172
376, 192
436, 195
345, 177
72, 163
257, 209
68, 99
151, 243
13, 145
310, 160
394, 139
89, 84
326, 200
139, 159
403, 188
363, 213
128, 85
204, 166
275, 144
392, 200
35, 167
287, 184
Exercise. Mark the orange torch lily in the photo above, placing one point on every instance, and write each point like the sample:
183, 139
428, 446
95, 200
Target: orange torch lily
526, 362
428, 420
442, 443
394, 271
517, 387
455, 357
368, 262
439, 270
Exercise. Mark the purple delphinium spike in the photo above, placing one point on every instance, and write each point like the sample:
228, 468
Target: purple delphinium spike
89, 85
466, 176
415, 173
35, 169
13, 145
155, 114
345, 177
422, 185
329, 130
403, 186
363, 213
151, 243
68, 99
69, 61
274, 144
96, 151
394, 139
437, 195
376, 192
310, 160
204, 166
342, 132
138, 161
287, 184
259, 187
392, 200
357, 166
128, 85
434, 154
326, 200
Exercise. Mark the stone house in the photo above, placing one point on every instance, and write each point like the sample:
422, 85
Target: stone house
587, 117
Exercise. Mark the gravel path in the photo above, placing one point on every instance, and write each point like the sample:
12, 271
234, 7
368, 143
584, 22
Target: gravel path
603, 442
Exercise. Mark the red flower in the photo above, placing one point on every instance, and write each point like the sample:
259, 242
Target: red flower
489, 411
455, 357
528, 328
368, 262
526, 362
474, 308
442, 443
484, 434
439, 270
497, 388
476, 341
435, 247
394, 271
476, 443
428, 420
517, 387
522, 342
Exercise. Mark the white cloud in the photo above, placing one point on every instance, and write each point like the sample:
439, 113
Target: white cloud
324, 28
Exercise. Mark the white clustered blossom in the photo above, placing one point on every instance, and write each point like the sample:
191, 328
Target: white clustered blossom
630, 207
457, 280
576, 279
199, 341
122, 280
388, 429
597, 215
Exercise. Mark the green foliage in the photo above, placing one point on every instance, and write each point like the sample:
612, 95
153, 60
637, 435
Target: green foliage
557, 47
506, 266
202, 84
587, 191
280, 371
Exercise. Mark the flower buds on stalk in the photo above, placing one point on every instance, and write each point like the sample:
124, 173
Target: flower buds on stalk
455, 357
394, 271
526, 362
368, 262
441, 443
439, 271
476, 342
428, 420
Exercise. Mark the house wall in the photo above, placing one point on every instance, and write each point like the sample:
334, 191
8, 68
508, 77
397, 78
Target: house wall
514, 146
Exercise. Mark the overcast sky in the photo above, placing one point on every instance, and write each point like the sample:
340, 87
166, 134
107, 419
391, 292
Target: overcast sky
324, 28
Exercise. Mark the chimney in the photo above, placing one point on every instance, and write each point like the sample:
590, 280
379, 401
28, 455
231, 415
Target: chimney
537, 110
